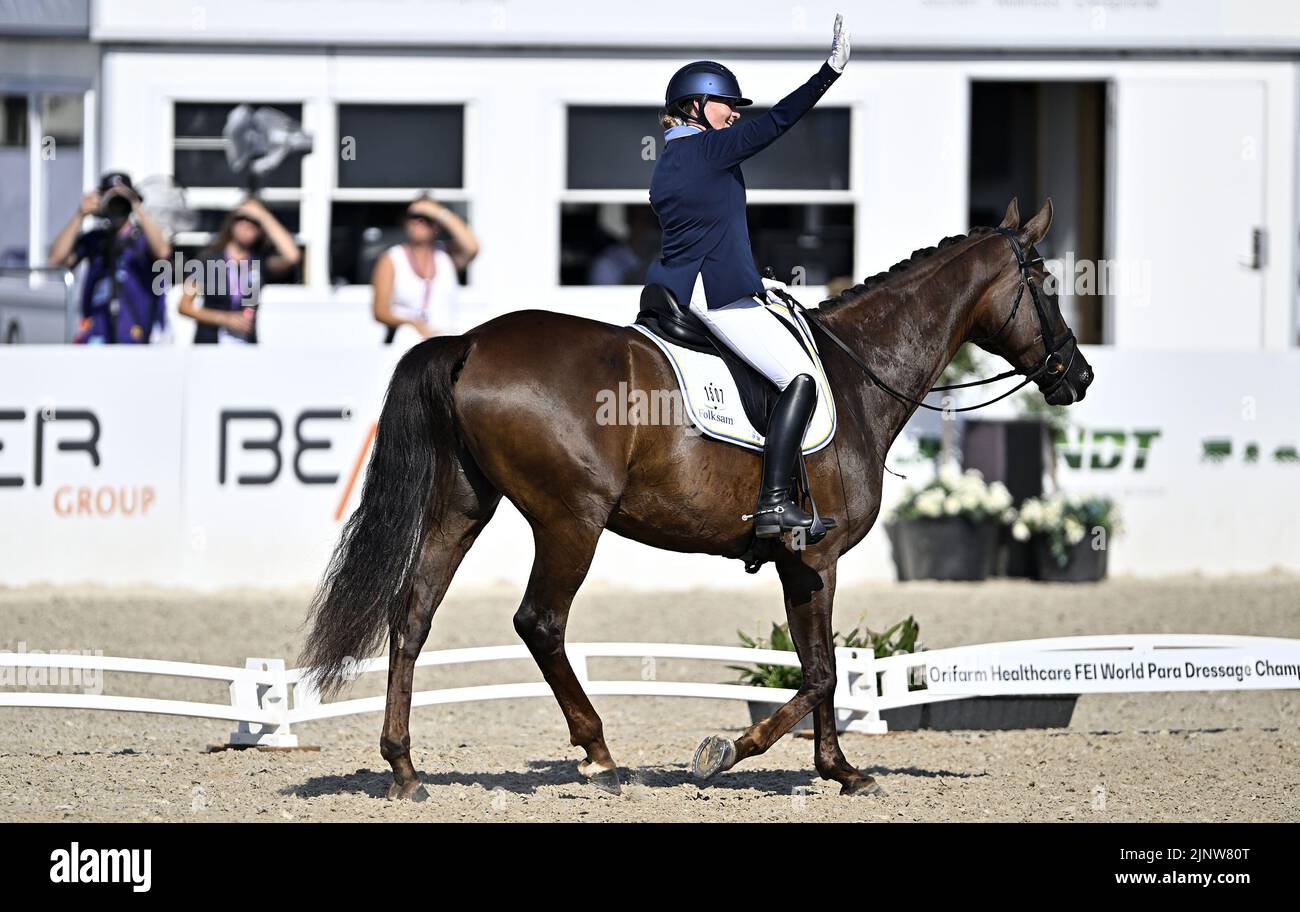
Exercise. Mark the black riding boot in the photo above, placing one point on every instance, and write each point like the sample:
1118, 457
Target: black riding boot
777, 512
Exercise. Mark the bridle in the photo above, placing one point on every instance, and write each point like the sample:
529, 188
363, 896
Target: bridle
1052, 346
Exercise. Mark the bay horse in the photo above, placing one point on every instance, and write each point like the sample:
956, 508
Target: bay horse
509, 409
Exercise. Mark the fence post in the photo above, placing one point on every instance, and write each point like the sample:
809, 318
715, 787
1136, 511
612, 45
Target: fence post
273, 697
856, 683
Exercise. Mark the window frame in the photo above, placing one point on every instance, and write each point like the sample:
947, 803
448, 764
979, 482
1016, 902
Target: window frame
39, 233
228, 197
848, 196
337, 194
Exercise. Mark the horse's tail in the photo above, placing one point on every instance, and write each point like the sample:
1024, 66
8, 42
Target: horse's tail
366, 584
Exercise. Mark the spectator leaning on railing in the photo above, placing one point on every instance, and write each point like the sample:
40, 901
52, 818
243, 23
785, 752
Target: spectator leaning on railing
251, 248
118, 301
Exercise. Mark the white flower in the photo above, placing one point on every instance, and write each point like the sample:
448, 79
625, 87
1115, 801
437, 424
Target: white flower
930, 503
1074, 530
1052, 513
1020, 532
952, 505
970, 501
949, 476
999, 498
1031, 511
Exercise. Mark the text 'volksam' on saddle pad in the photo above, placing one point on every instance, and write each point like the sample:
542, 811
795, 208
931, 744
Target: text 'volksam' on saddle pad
711, 398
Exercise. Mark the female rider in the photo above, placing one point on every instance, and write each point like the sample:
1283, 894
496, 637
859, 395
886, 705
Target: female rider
698, 194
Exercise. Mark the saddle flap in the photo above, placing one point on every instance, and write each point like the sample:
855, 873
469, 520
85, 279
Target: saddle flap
727, 399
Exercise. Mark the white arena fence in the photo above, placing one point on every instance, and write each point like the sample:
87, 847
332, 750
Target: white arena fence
267, 699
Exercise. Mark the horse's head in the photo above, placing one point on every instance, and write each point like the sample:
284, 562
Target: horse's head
1017, 320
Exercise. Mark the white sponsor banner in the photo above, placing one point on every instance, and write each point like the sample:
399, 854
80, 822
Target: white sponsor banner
275, 451
990, 670
1201, 451
90, 462
214, 466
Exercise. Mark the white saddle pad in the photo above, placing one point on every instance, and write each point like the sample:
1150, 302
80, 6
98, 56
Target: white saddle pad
712, 399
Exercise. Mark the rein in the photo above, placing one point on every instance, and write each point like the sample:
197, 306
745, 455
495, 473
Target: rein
1051, 346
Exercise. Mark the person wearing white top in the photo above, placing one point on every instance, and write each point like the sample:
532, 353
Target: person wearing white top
415, 283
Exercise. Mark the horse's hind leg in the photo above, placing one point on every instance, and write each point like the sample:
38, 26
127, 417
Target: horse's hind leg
563, 557
450, 536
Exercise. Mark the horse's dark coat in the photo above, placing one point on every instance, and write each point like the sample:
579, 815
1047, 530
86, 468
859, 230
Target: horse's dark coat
509, 409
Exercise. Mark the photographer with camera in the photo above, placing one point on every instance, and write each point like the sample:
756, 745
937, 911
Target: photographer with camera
118, 302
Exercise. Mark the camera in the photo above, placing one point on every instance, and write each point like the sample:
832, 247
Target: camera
115, 189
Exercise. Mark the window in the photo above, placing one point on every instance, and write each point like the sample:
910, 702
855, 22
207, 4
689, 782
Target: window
199, 154
401, 145
62, 123
15, 180
208, 221
199, 165
388, 155
1027, 136
58, 161
361, 232
801, 211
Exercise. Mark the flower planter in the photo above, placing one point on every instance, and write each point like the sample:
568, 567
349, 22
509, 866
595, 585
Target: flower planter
1083, 563
1001, 713
951, 548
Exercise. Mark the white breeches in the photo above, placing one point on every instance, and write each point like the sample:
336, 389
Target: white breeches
759, 336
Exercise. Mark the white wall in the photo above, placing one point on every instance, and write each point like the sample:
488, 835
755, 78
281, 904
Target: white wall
909, 164
723, 23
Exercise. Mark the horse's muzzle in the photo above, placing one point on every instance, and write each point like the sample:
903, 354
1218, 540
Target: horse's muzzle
1073, 386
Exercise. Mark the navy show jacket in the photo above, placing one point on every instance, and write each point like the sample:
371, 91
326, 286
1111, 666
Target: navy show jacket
698, 194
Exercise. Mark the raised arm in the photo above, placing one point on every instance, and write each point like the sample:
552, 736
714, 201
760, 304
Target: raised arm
63, 250
735, 144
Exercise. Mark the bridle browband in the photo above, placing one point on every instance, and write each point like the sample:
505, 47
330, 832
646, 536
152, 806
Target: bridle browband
1052, 347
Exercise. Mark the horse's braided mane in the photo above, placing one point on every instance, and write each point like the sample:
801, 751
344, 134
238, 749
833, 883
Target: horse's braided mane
871, 283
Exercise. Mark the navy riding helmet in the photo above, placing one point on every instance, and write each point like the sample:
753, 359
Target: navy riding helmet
703, 79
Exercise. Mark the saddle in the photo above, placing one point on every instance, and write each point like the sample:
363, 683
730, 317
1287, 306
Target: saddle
662, 315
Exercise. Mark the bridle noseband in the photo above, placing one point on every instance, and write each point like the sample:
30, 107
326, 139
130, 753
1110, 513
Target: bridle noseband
1052, 360
1052, 347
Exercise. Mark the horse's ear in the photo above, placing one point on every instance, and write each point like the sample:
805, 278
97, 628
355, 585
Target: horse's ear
1036, 228
1012, 218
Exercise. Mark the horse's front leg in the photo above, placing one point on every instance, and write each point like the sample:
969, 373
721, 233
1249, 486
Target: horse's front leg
830, 760
809, 595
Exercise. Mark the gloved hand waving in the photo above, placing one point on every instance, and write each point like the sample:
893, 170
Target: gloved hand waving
839, 46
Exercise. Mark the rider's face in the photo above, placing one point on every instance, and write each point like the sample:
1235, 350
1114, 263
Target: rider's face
720, 114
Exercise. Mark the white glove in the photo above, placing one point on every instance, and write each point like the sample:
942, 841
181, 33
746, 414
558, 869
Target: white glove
839, 46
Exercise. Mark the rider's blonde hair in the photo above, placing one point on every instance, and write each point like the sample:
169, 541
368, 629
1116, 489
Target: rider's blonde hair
674, 117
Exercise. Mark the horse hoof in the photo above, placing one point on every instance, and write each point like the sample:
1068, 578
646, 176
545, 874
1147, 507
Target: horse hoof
604, 779
864, 786
714, 755
412, 791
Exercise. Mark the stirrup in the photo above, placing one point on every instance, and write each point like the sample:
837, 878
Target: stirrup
775, 520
